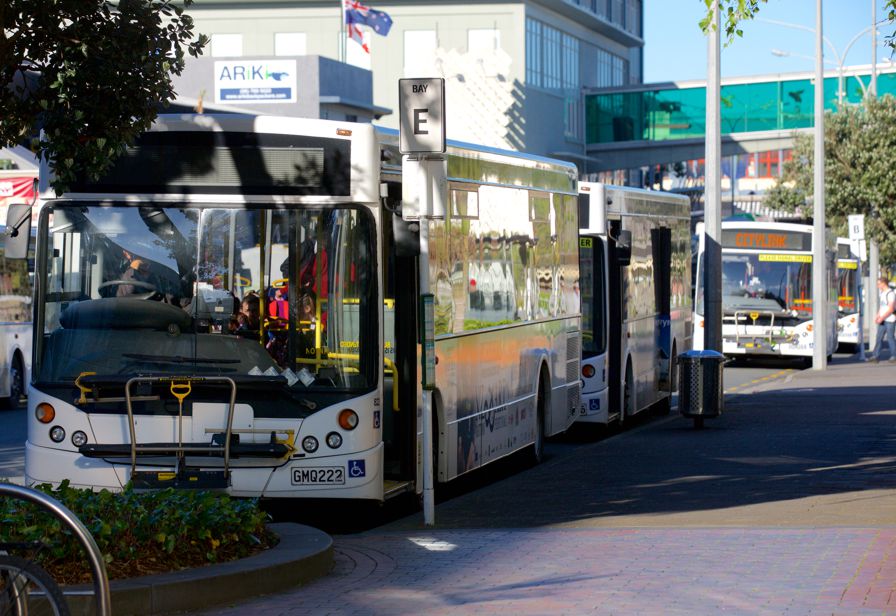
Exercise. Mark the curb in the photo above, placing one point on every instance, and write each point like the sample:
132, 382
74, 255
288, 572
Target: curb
302, 555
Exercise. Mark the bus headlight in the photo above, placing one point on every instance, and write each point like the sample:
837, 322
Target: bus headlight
310, 444
79, 438
348, 419
57, 434
334, 440
44, 413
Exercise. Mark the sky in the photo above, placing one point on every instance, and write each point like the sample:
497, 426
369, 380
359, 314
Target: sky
675, 48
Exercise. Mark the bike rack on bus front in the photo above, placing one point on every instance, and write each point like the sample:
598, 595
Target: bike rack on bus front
180, 389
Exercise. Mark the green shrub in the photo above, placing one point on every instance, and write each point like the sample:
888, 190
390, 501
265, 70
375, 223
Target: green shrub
138, 532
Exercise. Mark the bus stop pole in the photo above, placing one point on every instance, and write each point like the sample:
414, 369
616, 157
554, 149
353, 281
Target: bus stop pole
424, 186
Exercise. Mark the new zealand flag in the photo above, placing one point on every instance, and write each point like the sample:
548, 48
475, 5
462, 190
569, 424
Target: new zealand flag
359, 14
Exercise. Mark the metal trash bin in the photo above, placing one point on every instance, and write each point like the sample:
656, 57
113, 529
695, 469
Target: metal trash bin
700, 384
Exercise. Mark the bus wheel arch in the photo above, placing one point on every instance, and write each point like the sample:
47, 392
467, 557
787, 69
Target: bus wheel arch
628, 393
542, 404
673, 368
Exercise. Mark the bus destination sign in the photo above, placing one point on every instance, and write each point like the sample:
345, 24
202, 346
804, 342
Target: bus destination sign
766, 240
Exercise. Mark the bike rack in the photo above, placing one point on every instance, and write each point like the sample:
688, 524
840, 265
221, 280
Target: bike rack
97, 564
180, 388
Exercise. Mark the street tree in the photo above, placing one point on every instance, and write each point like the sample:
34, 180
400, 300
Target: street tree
732, 13
80, 79
860, 177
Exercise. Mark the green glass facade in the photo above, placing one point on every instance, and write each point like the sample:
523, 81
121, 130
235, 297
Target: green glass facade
680, 113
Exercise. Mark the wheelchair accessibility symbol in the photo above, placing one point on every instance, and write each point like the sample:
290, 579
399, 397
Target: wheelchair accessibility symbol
357, 468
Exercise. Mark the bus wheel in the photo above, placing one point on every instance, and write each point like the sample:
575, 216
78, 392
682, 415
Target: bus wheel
537, 447
16, 383
626, 397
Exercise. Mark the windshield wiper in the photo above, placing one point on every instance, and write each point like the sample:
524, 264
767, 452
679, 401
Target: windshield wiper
178, 359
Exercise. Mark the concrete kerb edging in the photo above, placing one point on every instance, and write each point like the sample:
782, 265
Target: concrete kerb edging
302, 555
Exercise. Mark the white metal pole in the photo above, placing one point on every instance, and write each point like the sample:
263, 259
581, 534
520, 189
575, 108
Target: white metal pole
424, 184
820, 290
712, 254
342, 32
872, 88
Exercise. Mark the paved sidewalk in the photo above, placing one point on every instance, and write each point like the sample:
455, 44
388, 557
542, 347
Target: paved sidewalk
811, 532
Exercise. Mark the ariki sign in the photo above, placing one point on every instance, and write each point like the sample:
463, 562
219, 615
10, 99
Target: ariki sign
421, 116
255, 81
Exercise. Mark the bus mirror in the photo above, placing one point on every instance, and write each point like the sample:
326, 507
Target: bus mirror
407, 237
624, 248
18, 231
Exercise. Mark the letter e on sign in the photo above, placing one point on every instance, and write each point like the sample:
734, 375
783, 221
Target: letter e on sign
421, 116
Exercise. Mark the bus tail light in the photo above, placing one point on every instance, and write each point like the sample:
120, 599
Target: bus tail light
348, 419
45, 413
587, 371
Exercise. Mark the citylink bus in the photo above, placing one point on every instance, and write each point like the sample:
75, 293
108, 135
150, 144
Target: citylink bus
234, 306
849, 295
767, 302
635, 273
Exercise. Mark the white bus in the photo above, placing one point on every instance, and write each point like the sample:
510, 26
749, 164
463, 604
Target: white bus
767, 302
637, 313
849, 294
152, 376
15, 326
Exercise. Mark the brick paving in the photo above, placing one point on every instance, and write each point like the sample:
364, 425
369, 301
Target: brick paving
785, 505
603, 571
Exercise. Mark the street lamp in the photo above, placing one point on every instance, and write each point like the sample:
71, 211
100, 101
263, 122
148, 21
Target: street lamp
840, 58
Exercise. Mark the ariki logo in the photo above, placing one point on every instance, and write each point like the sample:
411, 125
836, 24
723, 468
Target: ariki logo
253, 72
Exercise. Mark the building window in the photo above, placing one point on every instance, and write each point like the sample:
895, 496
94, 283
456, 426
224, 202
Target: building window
227, 45
552, 57
483, 40
419, 52
289, 44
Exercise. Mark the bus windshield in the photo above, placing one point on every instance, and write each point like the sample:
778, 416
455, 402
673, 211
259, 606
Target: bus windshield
846, 279
778, 283
169, 291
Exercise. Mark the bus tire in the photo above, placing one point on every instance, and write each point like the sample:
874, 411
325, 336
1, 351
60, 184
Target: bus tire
673, 369
626, 402
16, 383
536, 449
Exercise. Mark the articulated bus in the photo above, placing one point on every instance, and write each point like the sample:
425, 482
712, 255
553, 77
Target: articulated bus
235, 306
849, 294
635, 270
767, 302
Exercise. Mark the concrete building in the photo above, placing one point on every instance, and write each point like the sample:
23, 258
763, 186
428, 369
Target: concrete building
515, 70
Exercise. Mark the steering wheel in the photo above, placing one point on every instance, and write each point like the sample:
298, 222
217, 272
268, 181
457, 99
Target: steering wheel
151, 290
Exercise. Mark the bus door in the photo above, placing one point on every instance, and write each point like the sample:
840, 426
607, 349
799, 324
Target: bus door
400, 338
661, 240
614, 322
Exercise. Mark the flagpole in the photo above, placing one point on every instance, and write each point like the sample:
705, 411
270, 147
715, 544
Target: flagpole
342, 34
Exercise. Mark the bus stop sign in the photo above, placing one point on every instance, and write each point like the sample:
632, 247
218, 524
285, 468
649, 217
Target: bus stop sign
421, 116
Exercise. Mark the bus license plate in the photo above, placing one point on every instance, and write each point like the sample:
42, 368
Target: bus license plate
320, 476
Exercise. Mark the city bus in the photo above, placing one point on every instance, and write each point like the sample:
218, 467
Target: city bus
849, 295
15, 325
767, 302
637, 311
235, 306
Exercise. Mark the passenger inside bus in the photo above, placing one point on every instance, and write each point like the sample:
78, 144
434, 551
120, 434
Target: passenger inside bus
247, 321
